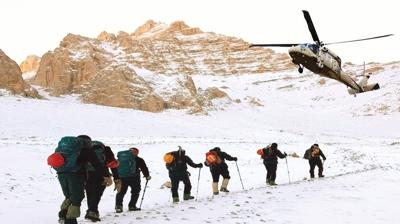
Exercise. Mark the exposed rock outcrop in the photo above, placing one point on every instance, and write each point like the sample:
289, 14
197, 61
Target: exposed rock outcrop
30, 64
11, 78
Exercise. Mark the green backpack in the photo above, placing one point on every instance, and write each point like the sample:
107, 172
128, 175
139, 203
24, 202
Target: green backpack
307, 154
98, 148
127, 163
69, 148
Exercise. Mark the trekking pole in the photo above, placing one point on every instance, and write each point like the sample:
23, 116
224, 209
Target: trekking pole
198, 183
287, 166
240, 177
144, 191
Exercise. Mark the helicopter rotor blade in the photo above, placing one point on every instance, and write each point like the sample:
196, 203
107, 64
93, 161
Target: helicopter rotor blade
311, 27
273, 45
370, 38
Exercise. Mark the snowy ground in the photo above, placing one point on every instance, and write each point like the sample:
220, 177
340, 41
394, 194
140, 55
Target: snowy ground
360, 139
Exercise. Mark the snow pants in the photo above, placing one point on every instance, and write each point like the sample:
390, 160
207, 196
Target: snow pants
315, 162
134, 184
72, 185
219, 170
94, 190
271, 170
175, 184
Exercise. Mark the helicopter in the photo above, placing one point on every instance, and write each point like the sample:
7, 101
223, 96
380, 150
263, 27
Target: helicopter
320, 60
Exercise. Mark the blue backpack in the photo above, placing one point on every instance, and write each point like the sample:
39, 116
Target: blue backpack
127, 163
69, 148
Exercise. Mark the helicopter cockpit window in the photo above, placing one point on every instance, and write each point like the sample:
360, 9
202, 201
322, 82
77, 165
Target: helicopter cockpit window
314, 48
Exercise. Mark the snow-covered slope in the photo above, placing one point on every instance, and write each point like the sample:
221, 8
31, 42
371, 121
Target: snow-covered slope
359, 135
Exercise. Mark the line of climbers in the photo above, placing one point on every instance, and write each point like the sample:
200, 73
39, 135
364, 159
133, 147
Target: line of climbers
84, 165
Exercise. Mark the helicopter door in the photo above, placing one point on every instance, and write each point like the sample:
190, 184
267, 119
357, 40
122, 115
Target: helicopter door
335, 66
327, 59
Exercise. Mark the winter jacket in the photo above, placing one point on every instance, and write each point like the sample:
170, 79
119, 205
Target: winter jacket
89, 155
271, 155
141, 166
109, 156
314, 156
178, 166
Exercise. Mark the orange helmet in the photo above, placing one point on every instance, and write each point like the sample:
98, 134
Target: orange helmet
260, 152
168, 158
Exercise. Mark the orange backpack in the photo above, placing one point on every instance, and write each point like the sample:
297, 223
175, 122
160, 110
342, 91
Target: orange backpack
212, 158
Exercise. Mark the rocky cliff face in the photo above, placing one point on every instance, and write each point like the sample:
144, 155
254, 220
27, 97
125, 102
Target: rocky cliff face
151, 68
30, 64
11, 78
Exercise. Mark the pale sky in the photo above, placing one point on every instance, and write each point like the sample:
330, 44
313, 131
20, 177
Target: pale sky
35, 27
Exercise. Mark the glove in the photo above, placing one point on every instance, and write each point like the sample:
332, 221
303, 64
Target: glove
324, 159
234, 158
117, 185
148, 177
107, 181
200, 165
285, 154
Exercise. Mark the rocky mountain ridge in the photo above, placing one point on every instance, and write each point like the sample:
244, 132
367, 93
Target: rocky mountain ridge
114, 70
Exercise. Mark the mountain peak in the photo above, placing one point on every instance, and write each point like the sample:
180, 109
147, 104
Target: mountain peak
151, 28
104, 36
181, 27
146, 27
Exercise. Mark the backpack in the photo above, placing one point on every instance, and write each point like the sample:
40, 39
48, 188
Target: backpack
67, 153
173, 161
213, 158
268, 152
98, 148
260, 152
127, 163
169, 158
316, 152
307, 154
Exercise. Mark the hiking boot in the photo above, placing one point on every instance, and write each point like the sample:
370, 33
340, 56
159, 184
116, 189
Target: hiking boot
224, 190
320, 175
175, 199
134, 208
187, 197
118, 208
92, 216
215, 188
272, 183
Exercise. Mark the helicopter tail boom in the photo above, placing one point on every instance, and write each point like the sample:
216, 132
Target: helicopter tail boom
364, 86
